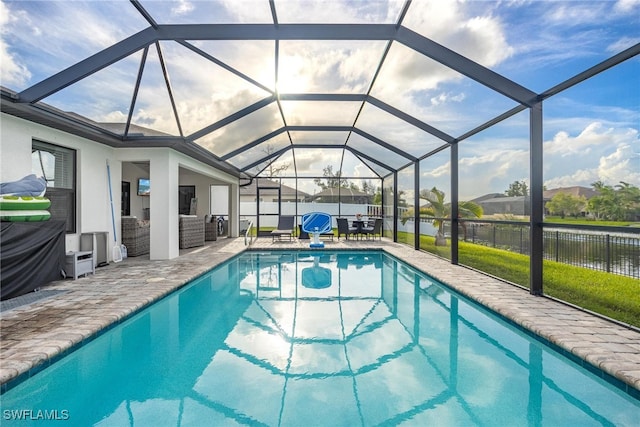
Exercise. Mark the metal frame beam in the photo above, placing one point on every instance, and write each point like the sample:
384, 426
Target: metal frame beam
455, 208
465, 66
232, 118
411, 120
384, 144
253, 143
88, 66
362, 155
416, 204
596, 69
276, 32
338, 97
267, 157
536, 216
224, 65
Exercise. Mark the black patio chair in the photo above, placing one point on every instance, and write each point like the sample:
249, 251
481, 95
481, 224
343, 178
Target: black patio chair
285, 228
373, 230
343, 228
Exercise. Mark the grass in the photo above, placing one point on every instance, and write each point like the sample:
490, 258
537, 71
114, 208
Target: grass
608, 294
585, 221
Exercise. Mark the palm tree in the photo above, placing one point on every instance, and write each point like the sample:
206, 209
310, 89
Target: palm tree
468, 210
440, 211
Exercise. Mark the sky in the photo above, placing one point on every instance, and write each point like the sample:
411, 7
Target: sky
590, 131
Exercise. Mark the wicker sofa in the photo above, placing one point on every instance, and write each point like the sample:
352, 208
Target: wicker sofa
135, 235
191, 231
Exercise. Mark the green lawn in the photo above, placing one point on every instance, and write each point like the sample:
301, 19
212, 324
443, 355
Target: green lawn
614, 296
585, 221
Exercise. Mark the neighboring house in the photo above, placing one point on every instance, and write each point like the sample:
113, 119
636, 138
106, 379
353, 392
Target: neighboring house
575, 191
342, 195
496, 203
249, 193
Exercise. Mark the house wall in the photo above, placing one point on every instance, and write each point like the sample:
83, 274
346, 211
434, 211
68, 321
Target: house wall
92, 191
168, 168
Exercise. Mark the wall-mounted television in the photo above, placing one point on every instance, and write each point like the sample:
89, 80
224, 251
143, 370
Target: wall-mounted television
144, 189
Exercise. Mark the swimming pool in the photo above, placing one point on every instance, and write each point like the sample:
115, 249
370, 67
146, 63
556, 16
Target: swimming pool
317, 338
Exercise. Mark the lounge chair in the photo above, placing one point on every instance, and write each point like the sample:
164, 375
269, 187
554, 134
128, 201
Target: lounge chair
343, 228
374, 229
285, 227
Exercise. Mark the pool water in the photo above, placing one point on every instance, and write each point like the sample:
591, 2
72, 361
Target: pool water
316, 338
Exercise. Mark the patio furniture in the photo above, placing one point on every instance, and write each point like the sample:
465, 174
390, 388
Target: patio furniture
191, 231
285, 227
343, 228
358, 224
373, 228
210, 228
135, 235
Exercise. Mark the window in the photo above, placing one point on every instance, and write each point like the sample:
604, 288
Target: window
58, 167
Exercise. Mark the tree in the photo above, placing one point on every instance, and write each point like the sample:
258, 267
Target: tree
377, 197
440, 210
332, 180
517, 188
630, 199
273, 171
566, 204
368, 187
615, 203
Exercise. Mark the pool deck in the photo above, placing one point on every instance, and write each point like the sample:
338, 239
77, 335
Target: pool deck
41, 330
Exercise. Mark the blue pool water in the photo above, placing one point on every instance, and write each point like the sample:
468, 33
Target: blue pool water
326, 339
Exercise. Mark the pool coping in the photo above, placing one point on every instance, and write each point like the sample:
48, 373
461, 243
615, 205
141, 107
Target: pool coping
51, 328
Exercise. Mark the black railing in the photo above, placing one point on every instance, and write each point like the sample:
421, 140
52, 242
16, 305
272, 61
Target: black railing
611, 249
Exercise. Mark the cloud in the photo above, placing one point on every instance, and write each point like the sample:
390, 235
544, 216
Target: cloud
243, 131
309, 163
593, 136
574, 13
338, 12
621, 165
443, 98
626, 6
42, 38
327, 66
439, 171
595, 154
583, 177
258, 12
622, 44
14, 72
419, 85
182, 8
481, 38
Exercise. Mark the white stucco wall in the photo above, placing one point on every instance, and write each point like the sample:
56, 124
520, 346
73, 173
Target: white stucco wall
93, 207
168, 168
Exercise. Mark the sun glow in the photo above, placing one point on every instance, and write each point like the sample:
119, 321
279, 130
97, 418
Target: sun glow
292, 76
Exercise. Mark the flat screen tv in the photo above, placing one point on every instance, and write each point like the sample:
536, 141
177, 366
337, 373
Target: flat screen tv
144, 188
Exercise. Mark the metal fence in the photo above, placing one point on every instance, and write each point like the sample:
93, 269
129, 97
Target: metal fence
616, 253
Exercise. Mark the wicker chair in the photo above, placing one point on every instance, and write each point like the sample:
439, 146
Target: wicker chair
135, 235
191, 231
210, 228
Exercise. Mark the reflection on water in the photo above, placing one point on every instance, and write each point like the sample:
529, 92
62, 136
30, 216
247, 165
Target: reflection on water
292, 339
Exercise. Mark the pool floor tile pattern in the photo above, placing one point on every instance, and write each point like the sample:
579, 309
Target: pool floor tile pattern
35, 333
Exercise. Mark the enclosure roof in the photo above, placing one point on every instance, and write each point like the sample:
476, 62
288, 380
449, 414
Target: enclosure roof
367, 87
